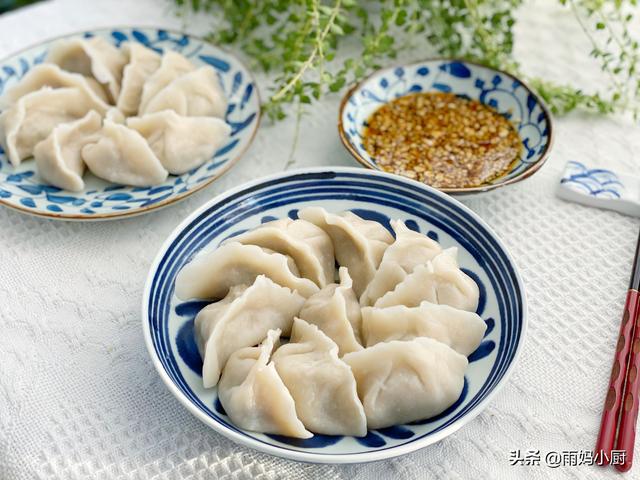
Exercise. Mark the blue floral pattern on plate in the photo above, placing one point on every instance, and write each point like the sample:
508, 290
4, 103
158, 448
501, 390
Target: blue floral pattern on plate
168, 322
22, 188
499, 90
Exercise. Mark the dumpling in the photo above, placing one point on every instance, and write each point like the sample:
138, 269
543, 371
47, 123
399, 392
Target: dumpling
91, 57
212, 275
459, 329
32, 118
253, 394
242, 319
50, 75
409, 250
335, 310
142, 63
358, 244
440, 281
115, 115
58, 156
194, 94
322, 385
181, 143
308, 245
172, 66
122, 156
401, 382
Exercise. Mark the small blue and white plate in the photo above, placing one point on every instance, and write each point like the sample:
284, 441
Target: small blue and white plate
507, 94
168, 322
22, 189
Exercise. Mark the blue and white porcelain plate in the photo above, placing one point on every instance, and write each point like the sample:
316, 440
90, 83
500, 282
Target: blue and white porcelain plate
21, 188
502, 91
168, 322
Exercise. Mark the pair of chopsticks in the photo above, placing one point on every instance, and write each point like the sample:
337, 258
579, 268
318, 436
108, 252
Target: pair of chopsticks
621, 404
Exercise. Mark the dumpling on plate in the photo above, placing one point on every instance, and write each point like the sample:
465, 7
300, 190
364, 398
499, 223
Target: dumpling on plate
172, 66
322, 385
194, 94
358, 244
409, 250
335, 310
94, 57
400, 382
143, 62
58, 156
440, 281
242, 319
212, 274
253, 394
459, 329
123, 156
33, 117
308, 245
181, 143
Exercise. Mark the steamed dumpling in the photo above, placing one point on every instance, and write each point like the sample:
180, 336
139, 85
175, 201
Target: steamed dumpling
400, 382
358, 244
212, 275
58, 156
308, 245
143, 62
440, 281
409, 250
335, 310
123, 156
459, 329
181, 143
32, 118
91, 57
194, 94
242, 319
172, 66
322, 385
253, 394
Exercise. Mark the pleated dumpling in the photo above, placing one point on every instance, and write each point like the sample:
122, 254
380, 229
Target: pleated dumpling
308, 245
212, 274
123, 156
459, 329
322, 386
58, 156
439, 281
409, 250
400, 382
242, 319
358, 244
143, 62
194, 94
94, 57
172, 66
33, 117
253, 394
335, 310
181, 143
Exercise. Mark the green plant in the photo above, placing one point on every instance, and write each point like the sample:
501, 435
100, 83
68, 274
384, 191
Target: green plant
298, 41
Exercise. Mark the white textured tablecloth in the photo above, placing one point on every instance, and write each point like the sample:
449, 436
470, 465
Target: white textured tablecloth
79, 397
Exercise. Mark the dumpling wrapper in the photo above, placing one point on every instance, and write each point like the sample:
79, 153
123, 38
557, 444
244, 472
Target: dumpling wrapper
242, 319
253, 395
58, 156
400, 382
172, 66
143, 62
322, 386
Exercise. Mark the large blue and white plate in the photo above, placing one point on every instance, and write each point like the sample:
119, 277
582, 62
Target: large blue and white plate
22, 189
168, 322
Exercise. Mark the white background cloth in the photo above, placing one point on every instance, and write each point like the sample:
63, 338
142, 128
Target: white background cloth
79, 397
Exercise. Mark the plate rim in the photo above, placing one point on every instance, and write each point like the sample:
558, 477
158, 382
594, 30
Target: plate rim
78, 217
311, 457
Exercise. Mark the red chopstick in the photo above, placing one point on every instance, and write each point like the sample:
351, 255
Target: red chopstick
624, 382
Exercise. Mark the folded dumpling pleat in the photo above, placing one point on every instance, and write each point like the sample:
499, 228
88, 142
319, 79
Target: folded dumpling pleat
143, 62
172, 66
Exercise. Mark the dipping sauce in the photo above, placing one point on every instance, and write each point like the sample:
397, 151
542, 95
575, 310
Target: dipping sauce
442, 140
